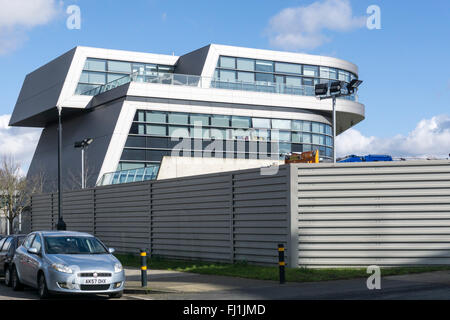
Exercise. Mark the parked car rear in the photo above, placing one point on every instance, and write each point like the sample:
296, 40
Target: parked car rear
8, 246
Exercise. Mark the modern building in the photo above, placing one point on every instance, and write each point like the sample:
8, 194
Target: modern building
215, 102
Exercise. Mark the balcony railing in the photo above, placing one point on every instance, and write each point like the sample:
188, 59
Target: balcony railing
207, 82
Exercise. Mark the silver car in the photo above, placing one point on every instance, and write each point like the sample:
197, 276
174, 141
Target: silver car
67, 262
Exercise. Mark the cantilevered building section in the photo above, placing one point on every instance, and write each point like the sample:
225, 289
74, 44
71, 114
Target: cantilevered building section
219, 103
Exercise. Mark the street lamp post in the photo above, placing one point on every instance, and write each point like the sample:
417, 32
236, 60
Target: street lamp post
83, 145
61, 224
333, 91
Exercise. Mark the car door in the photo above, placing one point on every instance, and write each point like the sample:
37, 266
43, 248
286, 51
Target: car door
22, 258
34, 260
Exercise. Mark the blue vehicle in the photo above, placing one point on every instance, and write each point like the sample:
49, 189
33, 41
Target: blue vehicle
368, 158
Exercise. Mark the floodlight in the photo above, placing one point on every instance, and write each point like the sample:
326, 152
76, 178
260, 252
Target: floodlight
335, 87
353, 85
321, 89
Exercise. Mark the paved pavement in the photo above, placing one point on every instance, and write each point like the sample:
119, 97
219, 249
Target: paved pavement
172, 285
185, 286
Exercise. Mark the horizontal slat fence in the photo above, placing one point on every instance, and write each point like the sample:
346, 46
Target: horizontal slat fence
225, 217
374, 213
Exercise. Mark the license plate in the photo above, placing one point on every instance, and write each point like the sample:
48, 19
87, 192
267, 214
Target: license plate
95, 281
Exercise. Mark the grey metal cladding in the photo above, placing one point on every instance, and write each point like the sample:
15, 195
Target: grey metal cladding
193, 62
374, 213
41, 90
98, 124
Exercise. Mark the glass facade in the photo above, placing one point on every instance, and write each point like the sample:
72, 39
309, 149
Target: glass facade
155, 134
101, 71
272, 76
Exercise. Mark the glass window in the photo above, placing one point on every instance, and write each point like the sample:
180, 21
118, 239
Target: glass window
296, 137
155, 155
328, 130
157, 117
141, 129
329, 141
306, 138
93, 77
306, 126
151, 70
312, 71
240, 122
37, 244
316, 127
139, 68
197, 132
135, 142
165, 69
265, 66
293, 81
248, 77
240, 134
316, 139
284, 136
154, 142
245, 64
178, 132
281, 124
220, 134
325, 72
95, 64
226, 75
264, 77
2, 241
156, 130
220, 121
297, 125
322, 128
228, 62
307, 147
178, 118
28, 240
202, 120
133, 154
119, 66
260, 135
112, 77
6, 244
285, 148
288, 68
344, 76
130, 165
261, 123
333, 74
308, 81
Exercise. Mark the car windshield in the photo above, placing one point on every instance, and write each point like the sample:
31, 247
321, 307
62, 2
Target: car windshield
73, 245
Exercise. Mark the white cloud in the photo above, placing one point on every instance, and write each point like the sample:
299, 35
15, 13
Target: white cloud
18, 142
303, 27
430, 139
18, 16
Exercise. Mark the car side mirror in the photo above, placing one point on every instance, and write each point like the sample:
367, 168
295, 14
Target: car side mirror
33, 251
111, 250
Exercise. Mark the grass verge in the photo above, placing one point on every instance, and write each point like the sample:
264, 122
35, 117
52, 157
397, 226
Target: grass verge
244, 270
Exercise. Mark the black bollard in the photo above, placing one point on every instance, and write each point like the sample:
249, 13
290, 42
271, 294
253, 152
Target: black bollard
281, 263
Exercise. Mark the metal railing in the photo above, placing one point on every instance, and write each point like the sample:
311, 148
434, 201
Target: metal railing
207, 82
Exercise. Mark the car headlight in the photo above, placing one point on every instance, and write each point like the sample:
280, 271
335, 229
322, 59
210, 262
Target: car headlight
62, 268
118, 267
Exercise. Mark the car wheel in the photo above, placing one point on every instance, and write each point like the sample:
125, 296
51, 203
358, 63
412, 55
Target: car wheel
42, 287
8, 277
116, 295
15, 281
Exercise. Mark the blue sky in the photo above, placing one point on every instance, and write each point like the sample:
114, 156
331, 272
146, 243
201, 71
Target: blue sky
405, 65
